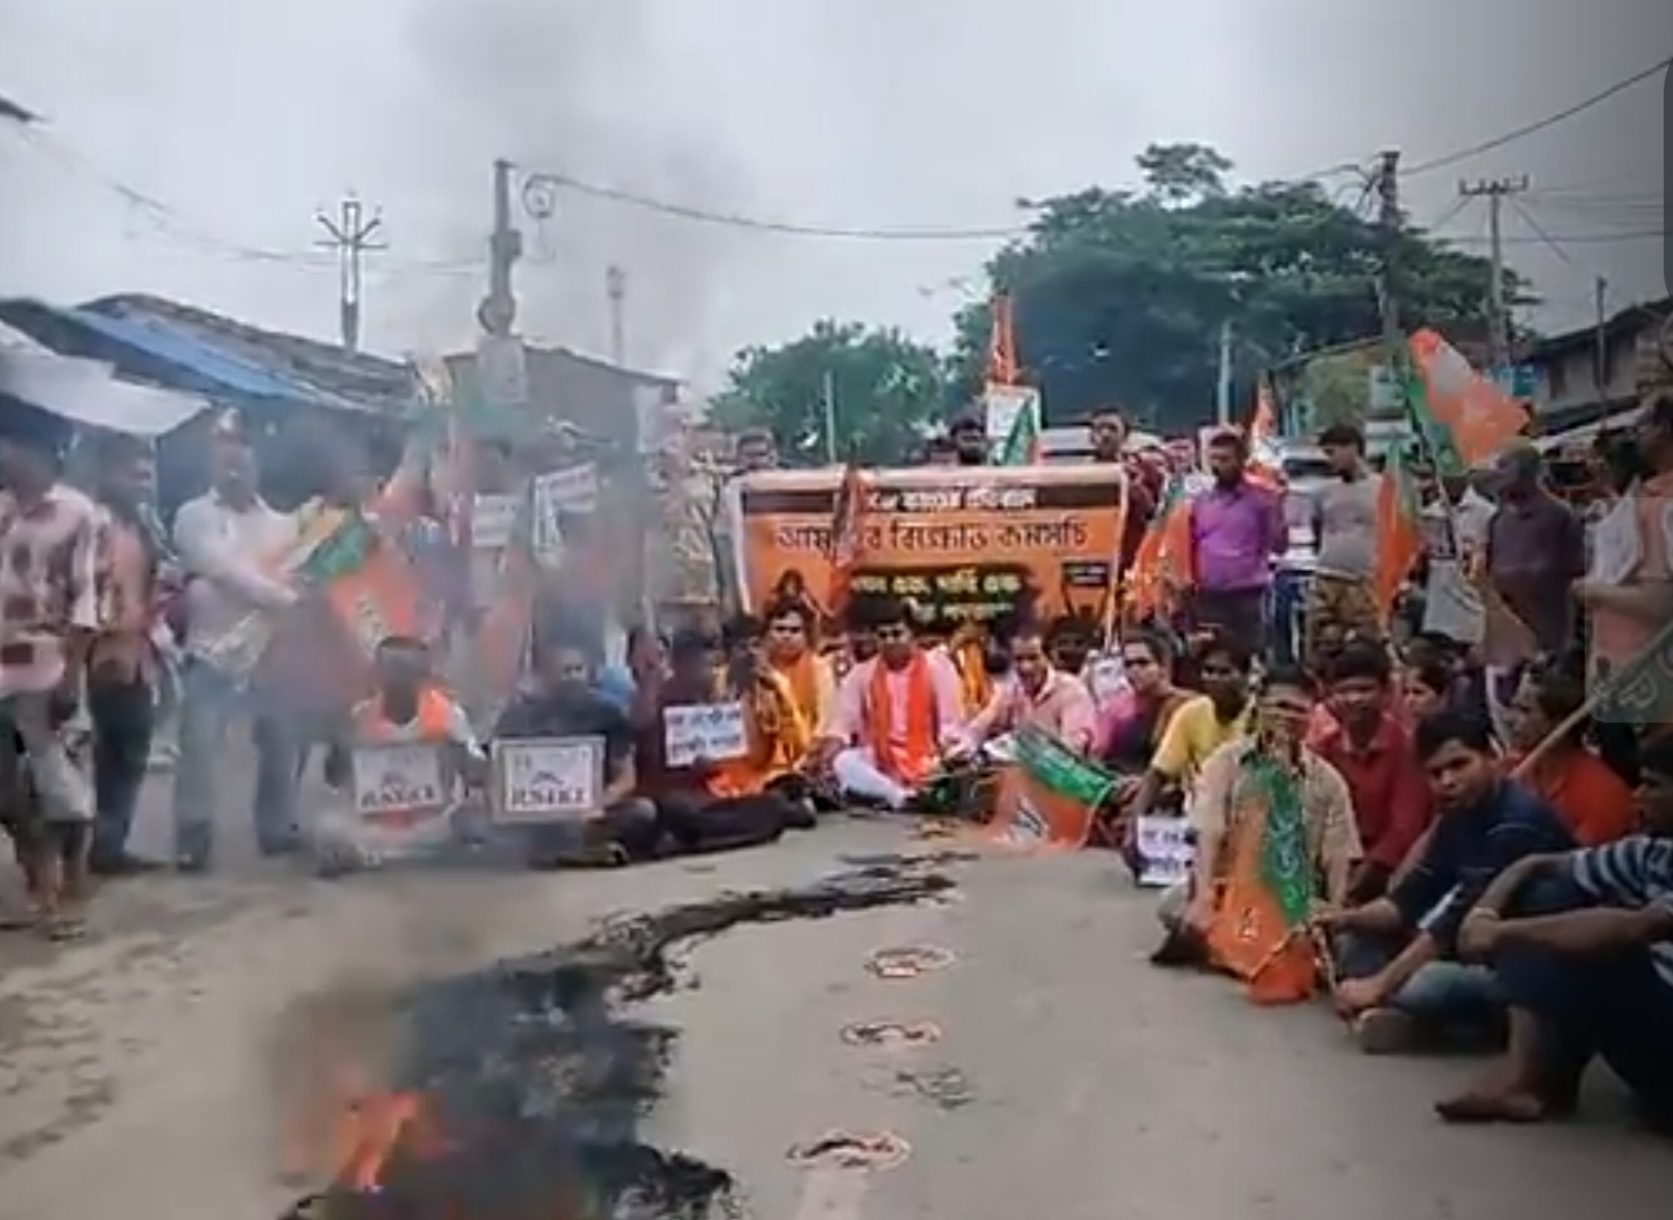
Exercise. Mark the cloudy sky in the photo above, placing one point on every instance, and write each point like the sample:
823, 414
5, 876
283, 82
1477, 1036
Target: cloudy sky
191, 142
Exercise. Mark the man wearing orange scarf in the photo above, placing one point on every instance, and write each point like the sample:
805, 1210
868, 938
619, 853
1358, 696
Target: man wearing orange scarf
809, 676
896, 715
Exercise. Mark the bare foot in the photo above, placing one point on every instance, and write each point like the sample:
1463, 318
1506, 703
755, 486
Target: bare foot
1513, 1106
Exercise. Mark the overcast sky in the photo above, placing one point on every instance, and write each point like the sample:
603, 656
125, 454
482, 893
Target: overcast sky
236, 120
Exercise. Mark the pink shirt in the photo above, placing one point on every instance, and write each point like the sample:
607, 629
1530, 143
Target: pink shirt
851, 722
1062, 707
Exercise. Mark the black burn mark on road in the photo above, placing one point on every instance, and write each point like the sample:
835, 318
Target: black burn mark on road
540, 1085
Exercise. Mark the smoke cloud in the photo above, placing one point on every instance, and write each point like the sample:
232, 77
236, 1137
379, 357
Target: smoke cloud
590, 91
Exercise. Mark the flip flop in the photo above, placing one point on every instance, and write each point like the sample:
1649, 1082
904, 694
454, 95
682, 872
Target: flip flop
66, 929
19, 921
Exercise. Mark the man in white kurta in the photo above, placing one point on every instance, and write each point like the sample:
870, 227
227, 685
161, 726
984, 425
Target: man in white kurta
897, 715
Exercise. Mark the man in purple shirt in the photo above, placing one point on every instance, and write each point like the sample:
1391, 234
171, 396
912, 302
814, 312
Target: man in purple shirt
1237, 527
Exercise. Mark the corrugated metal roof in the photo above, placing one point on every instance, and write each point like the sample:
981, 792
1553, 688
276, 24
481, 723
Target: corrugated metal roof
171, 345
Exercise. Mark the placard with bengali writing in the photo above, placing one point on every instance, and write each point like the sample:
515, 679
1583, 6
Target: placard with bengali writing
710, 732
1166, 849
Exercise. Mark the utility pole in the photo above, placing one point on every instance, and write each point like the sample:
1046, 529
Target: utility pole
1600, 339
615, 287
828, 405
1223, 383
498, 312
1388, 222
1496, 191
502, 371
350, 233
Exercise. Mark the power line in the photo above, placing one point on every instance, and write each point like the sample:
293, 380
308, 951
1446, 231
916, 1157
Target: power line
1545, 239
536, 183
1528, 129
540, 184
1573, 239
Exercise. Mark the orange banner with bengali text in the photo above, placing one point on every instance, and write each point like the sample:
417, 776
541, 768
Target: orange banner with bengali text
956, 544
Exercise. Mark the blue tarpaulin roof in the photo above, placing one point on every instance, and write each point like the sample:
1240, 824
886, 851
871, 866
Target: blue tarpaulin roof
200, 366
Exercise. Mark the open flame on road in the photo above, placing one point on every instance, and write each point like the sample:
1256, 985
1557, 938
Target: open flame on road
516, 1092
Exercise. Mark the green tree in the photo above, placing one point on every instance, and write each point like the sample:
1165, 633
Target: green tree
1120, 296
1182, 174
885, 390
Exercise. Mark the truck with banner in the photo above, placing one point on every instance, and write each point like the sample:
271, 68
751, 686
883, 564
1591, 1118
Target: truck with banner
957, 544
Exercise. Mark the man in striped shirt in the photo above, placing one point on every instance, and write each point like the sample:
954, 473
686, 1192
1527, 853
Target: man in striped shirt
1581, 944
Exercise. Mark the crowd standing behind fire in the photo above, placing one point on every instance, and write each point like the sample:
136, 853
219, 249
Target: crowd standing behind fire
1369, 787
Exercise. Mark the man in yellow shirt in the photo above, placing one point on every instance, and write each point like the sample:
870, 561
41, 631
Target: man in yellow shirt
1201, 726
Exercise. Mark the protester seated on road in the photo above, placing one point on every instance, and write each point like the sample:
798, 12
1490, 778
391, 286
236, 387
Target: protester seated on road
780, 745
563, 702
1373, 749
1425, 688
1131, 726
791, 654
1040, 696
1200, 726
1595, 802
713, 806
1069, 645
902, 710
1401, 979
407, 707
1275, 844
860, 625
1581, 944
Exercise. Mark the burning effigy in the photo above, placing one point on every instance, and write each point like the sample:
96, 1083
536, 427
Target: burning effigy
518, 1092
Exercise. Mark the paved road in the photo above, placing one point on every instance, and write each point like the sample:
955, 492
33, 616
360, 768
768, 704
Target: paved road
137, 1072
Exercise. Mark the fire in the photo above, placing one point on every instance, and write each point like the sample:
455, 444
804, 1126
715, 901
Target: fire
372, 1130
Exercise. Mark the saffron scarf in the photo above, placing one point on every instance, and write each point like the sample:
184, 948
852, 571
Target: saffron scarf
803, 678
1260, 932
779, 740
920, 725
971, 658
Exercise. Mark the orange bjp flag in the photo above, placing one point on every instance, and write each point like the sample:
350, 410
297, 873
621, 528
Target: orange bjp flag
1399, 530
1266, 465
1478, 413
1002, 368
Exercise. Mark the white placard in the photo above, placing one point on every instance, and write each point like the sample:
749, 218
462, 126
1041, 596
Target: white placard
713, 732
1002, 404
571, 490
1107, 679
397, 780
492, 519
1165, 848
550, 779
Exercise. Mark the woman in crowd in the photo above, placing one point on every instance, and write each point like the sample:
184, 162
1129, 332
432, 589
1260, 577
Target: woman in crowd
1596, 803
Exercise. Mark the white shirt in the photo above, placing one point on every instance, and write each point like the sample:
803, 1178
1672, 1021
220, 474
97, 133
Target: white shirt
227, 553
1452, 607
